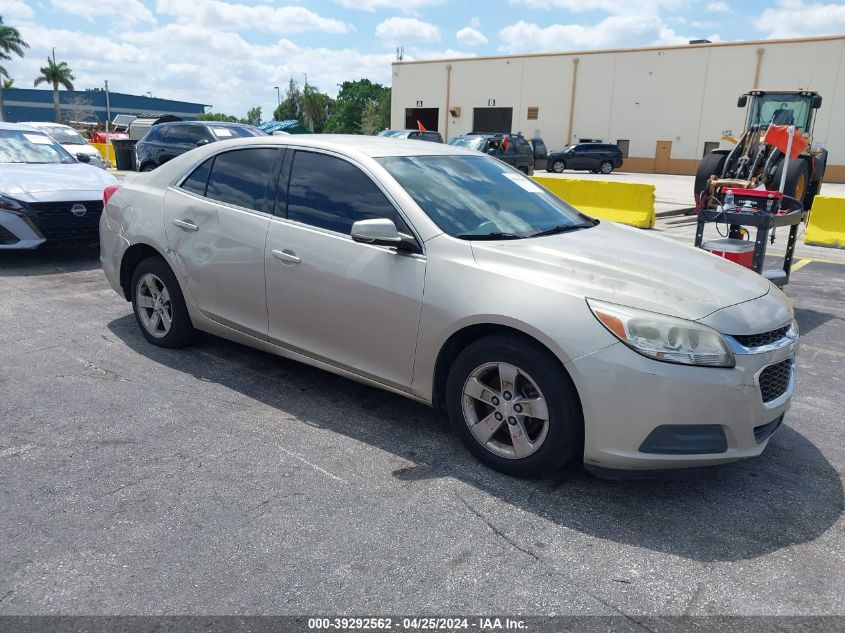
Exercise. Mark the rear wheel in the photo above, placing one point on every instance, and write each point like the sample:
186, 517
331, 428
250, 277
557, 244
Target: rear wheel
159, 305
514, 407
606, 167
710, 165
797, 179
557, 166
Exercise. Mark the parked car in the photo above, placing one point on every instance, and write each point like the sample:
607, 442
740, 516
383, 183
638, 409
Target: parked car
164, 141
71, 140
594, 157
546, 336
541, 154
512, 149
46, 195
426, 135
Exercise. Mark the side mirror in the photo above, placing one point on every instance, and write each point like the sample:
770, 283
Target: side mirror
817, 102
492, 151
82, 157
379, 231
742, 101
202, 141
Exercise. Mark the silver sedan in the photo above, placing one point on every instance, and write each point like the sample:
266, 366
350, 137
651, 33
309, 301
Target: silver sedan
445, 276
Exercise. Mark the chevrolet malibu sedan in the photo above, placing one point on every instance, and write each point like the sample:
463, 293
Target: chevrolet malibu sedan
45, 194
451, 278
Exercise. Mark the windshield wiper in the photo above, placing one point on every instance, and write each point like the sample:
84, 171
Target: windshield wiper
564, 228
490, 236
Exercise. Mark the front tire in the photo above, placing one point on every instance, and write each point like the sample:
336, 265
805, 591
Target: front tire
557, 166
159, 306
711, 164
797, 179
514, 407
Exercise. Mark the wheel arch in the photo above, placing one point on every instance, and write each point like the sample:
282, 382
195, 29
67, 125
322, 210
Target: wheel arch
133, 256
468, 334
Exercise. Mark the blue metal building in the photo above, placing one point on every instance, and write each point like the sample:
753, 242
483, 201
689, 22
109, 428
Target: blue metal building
30, 104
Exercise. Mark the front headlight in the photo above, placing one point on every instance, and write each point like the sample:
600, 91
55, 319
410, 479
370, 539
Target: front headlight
664, 338
10, 204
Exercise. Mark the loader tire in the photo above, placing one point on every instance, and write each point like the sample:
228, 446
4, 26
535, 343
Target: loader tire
711, 164
797, 179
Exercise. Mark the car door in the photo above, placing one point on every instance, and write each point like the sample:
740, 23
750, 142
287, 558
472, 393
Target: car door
541, 154
216, 222
198, 135
355, 306
577, 158
175, 142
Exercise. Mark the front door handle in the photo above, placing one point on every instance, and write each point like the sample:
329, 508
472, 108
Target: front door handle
286, 256
188, 226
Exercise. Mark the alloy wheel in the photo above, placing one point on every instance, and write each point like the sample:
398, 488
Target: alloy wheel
606, 168
558, 166
154, 307
505, 410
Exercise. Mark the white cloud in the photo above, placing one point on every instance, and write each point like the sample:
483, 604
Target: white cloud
613, 31
613, 7
469, 36
129, 11
181, 61
218, 15
398, 30
796, 18
15, 9
719, 7
406, 6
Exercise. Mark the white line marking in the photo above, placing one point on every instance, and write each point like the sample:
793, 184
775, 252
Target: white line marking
16, 450
314, 466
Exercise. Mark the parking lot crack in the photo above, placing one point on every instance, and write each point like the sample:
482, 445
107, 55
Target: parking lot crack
497, 531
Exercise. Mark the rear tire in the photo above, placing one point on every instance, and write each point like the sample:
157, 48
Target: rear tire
797, 179
710, 165
514, 377
159, 306
606, 167
557, 166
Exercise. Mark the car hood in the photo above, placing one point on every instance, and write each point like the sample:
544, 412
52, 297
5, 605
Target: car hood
82, 147
44, 183
628, 266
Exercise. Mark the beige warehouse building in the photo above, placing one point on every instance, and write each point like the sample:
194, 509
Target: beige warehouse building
664, 106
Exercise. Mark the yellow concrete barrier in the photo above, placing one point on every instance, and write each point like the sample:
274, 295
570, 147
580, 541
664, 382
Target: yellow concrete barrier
826, 225
624, 202
106, 151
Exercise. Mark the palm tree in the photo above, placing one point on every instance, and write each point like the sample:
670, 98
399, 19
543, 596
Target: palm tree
56, 74
10, 42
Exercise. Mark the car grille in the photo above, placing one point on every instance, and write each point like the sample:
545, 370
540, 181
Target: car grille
57, 223
759, 340
774, 380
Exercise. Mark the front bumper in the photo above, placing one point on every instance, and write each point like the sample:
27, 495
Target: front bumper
626, 397
34, 223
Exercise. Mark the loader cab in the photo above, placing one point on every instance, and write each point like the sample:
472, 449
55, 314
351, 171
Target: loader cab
796, 108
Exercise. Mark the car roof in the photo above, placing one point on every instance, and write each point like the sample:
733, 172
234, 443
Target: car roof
40, 124
17, 126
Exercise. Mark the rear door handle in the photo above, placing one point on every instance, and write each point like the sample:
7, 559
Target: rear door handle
286, 256
188, 226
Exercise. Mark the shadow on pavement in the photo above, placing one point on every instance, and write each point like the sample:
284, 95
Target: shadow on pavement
789, 495
49, 260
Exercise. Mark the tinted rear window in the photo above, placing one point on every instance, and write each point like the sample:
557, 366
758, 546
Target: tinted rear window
222, 132
240, 177
197, 181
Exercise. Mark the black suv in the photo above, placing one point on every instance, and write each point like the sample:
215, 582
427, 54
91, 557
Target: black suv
421, 135
164, 141
595, 157
516, 151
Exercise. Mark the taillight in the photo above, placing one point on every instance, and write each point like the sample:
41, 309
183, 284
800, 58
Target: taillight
108, 192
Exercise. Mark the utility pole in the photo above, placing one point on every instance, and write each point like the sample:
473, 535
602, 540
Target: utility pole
108, 119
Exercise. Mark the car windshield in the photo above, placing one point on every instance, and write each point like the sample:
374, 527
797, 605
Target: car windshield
470, 142
223, 132
476, 197
65, 136
19, 146
394, 133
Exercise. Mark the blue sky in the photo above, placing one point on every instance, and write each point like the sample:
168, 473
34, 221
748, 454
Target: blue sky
231, 54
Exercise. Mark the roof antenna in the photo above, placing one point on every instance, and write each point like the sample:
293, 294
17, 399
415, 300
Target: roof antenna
400, 53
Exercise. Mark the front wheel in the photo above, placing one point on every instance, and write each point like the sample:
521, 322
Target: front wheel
159, 305
514, 407
558, 166
606, 167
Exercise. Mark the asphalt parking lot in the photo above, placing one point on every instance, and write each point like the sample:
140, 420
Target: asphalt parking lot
219, 479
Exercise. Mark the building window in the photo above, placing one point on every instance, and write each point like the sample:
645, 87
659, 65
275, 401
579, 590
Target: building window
623, 144
533, 113
709, 146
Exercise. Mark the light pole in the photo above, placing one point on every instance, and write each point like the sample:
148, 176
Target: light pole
108, 119
278, 96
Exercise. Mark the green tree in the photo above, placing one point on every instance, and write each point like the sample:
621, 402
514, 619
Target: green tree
292, 107
316, 106
352, 104
56, 74
10, 42
217, 116
253, 116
